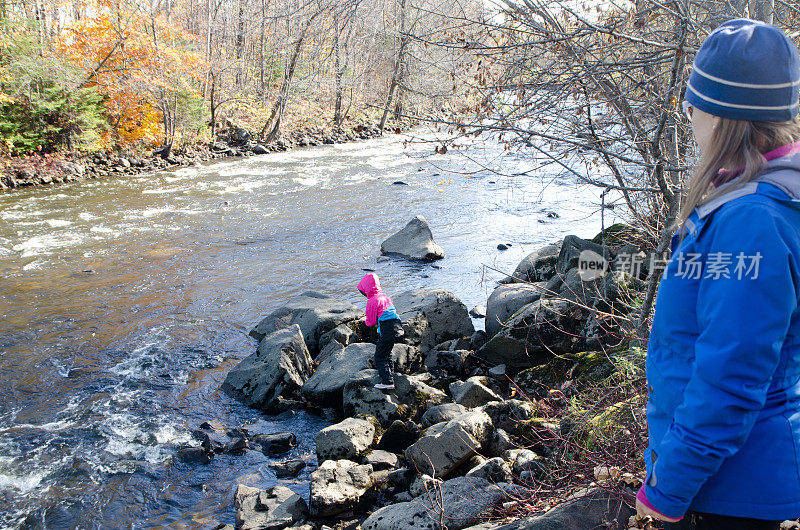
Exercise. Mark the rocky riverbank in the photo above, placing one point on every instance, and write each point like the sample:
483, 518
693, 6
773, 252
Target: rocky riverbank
36, 170
536, 423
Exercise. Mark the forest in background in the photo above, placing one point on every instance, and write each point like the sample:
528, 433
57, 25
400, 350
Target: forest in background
89, 75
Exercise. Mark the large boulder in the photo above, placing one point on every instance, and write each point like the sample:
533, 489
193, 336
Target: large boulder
360, 396
441, 453
510, 414
338, 486
506, 300
406, 359
315, 313
399, 436
447, 362
443, 412
476, 422
279, 368
324, 388
274, 509
409, 399
347, 439
494, 470
594, 508
472, 392
415, 392
446, 446
414, 241
431, 317
538, 266
457, 503
573, 248
536, 333
344, 334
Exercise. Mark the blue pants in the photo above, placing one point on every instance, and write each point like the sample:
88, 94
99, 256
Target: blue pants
390, 331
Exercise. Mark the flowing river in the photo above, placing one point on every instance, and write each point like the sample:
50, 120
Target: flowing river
124, 301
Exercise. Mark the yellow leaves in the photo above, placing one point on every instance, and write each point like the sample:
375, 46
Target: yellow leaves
119, 53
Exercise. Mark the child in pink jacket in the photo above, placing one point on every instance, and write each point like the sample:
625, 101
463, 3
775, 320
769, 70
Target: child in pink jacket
381, 312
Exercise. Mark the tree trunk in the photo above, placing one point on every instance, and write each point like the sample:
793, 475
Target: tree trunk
240, 26
274, 122
213, 123
338, 73
398, 65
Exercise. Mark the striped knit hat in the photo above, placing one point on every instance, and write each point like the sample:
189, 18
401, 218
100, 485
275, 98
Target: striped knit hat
746, 70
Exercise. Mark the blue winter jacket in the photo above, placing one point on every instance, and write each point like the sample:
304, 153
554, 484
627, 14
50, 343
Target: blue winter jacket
723, 362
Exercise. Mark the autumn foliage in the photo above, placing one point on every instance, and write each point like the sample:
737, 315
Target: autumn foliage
142, 67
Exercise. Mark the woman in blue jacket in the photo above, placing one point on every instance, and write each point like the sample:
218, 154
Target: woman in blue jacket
723, 362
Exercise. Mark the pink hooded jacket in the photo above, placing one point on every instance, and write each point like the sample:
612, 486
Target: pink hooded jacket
377, 302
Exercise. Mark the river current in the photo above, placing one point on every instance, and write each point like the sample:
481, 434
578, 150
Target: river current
124, 301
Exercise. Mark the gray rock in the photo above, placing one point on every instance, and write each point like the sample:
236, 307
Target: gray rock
478, 339
587, 509
450, 362
423, 484
506, 300
474, 461
537, 266
399, 436
472, 393
213, 442
494, 470
403, 496
274, 444
274, 509
509, 414
442, 413
288, 468
527, 460
500, 443
535, 333
339, 485
441, 453
315, 313
459, 503
477, 423
406, 359
342, 334
431, 317
571, 249
414, 391
194, 455
279, 368
359, 396
348, 439
497, 372
260, 149
479, 311
414, 241
329, 349
380, 460
324, 388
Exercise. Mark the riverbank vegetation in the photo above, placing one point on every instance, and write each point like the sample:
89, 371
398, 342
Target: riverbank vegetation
95, 75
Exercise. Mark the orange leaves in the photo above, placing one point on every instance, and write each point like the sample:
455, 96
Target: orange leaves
136, 59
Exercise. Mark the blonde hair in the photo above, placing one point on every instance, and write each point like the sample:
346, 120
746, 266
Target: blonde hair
735, 144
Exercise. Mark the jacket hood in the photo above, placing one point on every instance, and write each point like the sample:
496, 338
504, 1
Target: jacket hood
783, 173
370, 285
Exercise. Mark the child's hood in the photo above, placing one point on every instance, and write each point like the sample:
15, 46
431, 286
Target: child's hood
370, 285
